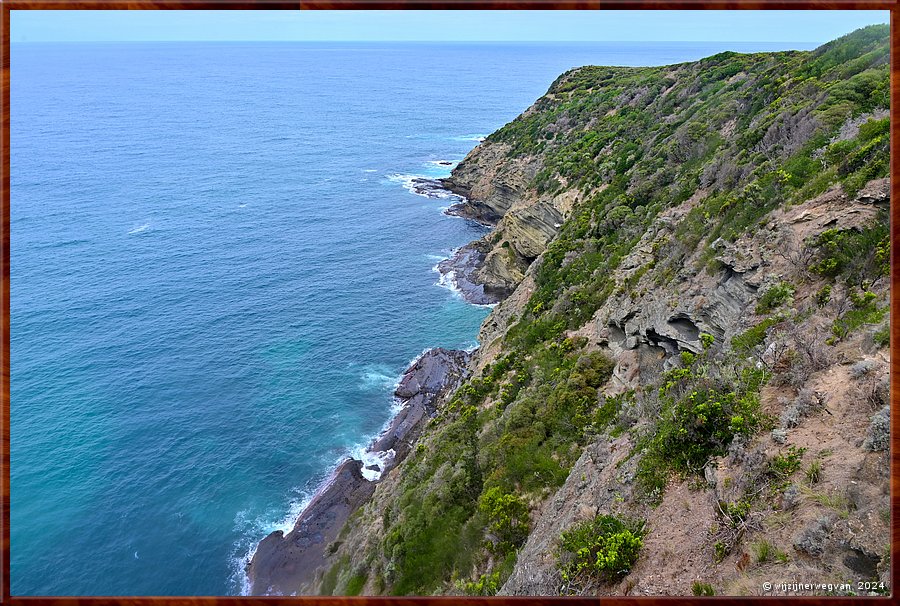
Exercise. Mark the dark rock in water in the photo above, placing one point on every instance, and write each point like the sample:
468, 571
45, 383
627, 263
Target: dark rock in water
473, 212
476, 210
402, 428
283, 564
433, 188
288, 564
429, 374
435, 373
460, 270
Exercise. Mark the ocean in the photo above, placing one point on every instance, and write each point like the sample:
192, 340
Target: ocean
219, 272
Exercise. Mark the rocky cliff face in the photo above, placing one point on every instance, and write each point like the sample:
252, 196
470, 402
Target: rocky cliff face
828, 407
498, 192
683, 388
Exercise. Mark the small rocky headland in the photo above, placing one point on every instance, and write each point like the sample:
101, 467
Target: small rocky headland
683, 387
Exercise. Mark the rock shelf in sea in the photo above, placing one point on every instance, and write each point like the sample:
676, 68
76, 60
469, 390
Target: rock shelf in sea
294, 559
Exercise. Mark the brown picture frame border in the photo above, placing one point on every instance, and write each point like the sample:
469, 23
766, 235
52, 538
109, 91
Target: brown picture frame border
8, 5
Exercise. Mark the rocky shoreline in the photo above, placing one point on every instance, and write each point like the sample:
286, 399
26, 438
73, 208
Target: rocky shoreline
460, 270
468, 208
465, 210
434, 189
462, 207
291, 564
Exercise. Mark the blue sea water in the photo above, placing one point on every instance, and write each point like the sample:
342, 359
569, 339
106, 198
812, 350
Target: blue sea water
218, 276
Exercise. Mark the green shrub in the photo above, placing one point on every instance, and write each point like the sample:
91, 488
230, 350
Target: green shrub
603, 549
865, 310
356, 583
428, 543
721, 551
783, 466
702, 589
698, 420
486, 585
507, 516
607, 412
735, 513
776, 296
860, 257
882, 336
329, 581
747, 341
814, 473
531, 446
763, 551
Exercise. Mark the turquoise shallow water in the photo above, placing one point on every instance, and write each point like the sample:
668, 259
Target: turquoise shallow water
218, 276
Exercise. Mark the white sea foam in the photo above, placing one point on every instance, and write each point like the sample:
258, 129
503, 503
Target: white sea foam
254, 529
448, 280
472, 348
369, 170
405, 180
472, 137
139, 229
409, 183
444, 195
377, 377
372, 458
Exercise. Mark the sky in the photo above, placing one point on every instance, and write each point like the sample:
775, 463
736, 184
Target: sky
501, 26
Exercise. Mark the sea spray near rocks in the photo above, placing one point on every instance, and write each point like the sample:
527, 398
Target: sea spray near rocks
458, 271
282, 560
427, 187
282, 563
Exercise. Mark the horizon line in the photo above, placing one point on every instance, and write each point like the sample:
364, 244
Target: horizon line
434, 41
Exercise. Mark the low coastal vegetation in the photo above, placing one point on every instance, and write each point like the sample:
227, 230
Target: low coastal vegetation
505, 439
602, 549
703, 407
578, 424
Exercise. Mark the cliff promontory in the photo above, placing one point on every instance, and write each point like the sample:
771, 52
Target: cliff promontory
683, 388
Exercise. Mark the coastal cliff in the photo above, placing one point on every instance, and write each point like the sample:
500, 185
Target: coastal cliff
683, 387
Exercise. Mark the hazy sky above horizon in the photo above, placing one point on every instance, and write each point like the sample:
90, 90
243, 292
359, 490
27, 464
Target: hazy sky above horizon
519, 25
